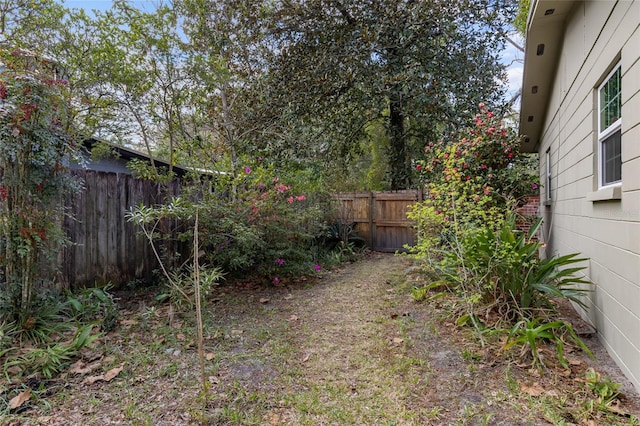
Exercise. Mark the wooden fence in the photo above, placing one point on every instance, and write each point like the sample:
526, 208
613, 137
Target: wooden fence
380, 217
105, 246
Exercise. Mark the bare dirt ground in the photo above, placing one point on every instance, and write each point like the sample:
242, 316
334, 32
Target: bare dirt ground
349, 348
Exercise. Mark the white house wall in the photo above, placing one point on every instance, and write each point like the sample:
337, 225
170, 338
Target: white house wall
597, 35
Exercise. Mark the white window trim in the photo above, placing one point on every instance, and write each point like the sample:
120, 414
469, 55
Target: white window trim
602, 135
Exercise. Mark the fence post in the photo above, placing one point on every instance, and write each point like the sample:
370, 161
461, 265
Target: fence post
372, 221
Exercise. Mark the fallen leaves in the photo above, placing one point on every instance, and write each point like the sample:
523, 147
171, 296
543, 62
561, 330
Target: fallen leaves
106, 377
80, 367
535, 389
19, 399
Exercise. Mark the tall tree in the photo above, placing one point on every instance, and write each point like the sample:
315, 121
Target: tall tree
421, 66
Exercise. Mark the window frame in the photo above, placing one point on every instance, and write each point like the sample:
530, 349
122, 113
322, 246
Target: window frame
614, 127
548, 174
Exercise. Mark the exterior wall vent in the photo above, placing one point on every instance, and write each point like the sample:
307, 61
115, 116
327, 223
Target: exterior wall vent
540, 50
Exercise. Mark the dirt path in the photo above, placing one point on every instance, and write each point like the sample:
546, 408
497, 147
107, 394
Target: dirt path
351, 348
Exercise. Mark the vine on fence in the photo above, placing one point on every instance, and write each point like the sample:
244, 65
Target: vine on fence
34, 144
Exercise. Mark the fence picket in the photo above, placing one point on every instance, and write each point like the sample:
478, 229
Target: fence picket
380, 217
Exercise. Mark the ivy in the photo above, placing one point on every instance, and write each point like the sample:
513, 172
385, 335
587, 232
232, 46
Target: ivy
33, 149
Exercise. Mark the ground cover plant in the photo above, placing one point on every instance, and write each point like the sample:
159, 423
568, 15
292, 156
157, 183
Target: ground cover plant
349, 347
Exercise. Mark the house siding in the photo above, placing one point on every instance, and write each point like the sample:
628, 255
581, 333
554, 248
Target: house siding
597, 36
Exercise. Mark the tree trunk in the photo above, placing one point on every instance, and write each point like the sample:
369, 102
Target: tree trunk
398, 161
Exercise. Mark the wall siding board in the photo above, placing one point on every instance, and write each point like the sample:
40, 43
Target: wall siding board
105, 246
607, 232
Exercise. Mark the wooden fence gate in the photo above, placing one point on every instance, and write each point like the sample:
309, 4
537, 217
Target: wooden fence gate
380, 217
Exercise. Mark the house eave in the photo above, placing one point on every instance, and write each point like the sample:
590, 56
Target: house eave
545, 31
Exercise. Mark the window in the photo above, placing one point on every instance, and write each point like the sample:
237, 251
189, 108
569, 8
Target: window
610, 129
548, 174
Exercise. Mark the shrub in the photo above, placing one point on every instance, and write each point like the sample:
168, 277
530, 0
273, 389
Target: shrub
255, 223
504, 268
95, 305
506, 287
469, 243
476, 179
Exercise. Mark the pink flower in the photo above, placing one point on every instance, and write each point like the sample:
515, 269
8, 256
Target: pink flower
276, 280
279, 262
317, 267
418, 167
487, 191
281, 188
247, 170
290, 200
301, 197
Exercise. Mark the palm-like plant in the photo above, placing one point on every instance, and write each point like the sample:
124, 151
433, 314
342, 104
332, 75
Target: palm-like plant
502, 271
504, 267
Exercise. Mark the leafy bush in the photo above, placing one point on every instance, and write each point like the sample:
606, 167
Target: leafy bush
506, 286
94, 305
341, 234
253, 223
45, 317
504, 269
181, 291
476, 179
468, 239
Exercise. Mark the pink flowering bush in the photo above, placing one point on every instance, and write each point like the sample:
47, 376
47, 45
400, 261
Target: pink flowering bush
269, 228
476, 179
